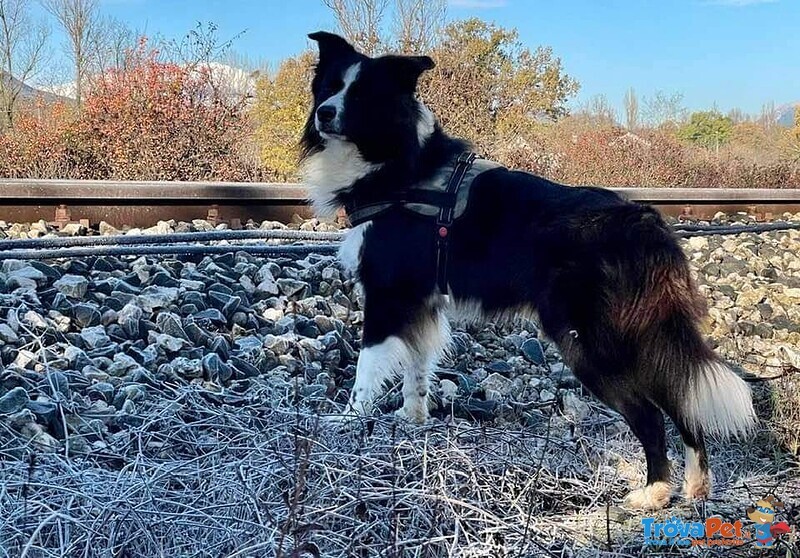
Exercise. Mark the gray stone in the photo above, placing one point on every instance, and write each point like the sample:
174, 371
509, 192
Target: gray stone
122, 364
73, 286
58, 383
216, 370
532, 351
95, 337
154, 297
574, 407
129, 318
188, 368
278, 344
294, 288
35, 320
547, 396
14, 401
496, 386
500, 367
167, 342
86, 315
171, 324
7, 334
101, 390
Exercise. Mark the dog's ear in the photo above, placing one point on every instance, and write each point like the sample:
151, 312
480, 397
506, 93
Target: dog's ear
407, 69
331, 46
750, 509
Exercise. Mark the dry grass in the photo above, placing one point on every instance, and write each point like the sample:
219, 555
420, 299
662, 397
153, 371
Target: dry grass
205, 474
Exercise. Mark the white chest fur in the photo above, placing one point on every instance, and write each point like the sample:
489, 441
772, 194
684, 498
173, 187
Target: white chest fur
350, 249
333, 169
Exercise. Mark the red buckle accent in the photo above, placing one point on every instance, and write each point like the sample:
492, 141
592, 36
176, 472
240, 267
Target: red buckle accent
442, 232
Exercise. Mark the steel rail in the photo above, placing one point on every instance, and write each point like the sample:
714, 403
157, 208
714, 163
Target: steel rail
170, 250
173, 238
119, 192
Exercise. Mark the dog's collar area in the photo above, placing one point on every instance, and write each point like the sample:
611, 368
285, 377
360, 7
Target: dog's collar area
426, 199
442, 201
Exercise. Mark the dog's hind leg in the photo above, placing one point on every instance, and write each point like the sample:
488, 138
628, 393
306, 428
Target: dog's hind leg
646, 421
696, 477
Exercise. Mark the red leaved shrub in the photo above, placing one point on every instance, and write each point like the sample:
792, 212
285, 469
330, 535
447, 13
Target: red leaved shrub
155, 120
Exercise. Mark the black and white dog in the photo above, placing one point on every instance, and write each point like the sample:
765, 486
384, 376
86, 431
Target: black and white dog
606, 277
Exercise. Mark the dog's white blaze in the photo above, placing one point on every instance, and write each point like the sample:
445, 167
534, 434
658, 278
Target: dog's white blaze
339, 164
720, 403
334, 168
337, 101
350, 249
426, 124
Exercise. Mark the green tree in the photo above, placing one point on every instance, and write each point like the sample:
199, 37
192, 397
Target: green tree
281, 108
711, 129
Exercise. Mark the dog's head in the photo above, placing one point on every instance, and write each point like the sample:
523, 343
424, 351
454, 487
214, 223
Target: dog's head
366, 102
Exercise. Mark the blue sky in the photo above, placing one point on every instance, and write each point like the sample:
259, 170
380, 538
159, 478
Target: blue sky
732, 53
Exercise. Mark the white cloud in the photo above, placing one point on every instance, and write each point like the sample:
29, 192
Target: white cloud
479, 4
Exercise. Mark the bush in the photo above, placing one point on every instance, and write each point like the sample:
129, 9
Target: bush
154, 120
38, 145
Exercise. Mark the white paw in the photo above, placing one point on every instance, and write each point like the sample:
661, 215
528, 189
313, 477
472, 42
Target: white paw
416, 414
652, 497
351, 414
697, 486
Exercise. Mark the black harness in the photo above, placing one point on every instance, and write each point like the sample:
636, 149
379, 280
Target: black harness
443, 201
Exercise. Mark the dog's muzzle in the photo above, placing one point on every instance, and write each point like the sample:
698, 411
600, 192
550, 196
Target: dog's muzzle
327, 120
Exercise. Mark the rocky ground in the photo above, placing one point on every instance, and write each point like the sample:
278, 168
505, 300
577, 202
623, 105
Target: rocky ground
165, 407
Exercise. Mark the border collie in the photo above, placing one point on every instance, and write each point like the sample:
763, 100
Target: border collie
606, 277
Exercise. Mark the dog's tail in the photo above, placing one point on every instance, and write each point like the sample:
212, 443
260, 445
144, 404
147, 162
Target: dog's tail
717, 401
675, 366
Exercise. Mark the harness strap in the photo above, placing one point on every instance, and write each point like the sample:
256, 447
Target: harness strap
366, 209
445, 219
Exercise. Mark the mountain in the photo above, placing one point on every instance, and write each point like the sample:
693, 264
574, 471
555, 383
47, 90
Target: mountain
27, 92
228, 80
784, 114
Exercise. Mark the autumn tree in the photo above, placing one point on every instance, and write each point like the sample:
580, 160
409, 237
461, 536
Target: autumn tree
361, 22
709, 129
156, 120
664, 109
414, 27
281, 108
22, 50
631, 109
489, 88
80, 20
110, 46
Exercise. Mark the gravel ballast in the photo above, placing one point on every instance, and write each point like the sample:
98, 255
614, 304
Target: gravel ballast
176, 407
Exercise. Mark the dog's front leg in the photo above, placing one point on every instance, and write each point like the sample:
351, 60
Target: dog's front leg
398, 337
431, 332
378, 363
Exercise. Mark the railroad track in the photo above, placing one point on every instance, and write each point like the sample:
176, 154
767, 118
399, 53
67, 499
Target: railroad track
144, 203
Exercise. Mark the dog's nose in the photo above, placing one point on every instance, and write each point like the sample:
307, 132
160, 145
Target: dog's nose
326, 113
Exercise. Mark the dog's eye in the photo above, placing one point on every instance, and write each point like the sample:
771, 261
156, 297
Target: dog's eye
332, 87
